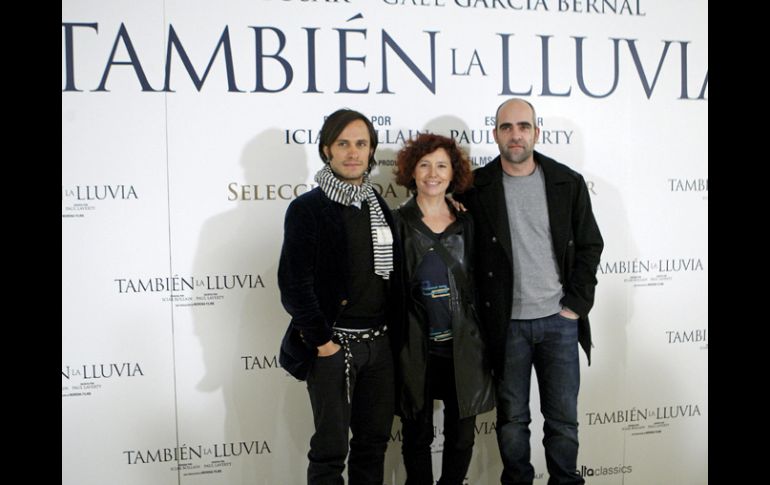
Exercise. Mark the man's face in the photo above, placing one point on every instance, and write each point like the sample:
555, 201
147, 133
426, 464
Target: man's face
515, 132
348, 155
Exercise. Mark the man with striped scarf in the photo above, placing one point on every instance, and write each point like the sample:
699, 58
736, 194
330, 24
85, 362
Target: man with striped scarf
335, 271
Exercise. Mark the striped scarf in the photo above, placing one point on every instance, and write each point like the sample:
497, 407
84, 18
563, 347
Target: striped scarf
345, 194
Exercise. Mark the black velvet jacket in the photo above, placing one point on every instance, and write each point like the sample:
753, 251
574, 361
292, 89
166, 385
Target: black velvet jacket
313, 275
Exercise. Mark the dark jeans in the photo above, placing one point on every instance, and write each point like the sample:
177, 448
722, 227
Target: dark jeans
550, 344
458, 433
369, 414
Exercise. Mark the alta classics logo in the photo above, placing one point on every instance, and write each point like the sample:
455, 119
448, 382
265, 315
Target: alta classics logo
598, 471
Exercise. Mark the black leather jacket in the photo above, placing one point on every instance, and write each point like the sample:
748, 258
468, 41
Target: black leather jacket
473, 379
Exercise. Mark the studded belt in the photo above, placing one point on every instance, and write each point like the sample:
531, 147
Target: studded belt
345, 336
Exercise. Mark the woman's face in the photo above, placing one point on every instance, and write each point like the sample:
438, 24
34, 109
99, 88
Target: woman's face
433, 173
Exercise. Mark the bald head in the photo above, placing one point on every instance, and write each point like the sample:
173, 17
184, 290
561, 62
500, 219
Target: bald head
514, 101
516, 134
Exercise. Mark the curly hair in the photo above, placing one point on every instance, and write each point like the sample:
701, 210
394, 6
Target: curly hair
416, 148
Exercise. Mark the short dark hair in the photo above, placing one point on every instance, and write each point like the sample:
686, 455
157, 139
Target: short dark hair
416, 148
338, 121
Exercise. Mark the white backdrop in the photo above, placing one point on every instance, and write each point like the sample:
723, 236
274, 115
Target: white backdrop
178, 164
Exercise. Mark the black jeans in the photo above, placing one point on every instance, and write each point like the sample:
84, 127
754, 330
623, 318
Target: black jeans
418, 434
369, 414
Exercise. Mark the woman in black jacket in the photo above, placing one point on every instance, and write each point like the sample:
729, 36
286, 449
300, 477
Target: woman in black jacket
442, 354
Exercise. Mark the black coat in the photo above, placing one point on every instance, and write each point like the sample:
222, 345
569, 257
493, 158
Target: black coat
473, 378
313, 276
577, 245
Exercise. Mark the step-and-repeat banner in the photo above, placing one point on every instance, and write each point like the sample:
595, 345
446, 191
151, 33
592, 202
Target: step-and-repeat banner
189, 126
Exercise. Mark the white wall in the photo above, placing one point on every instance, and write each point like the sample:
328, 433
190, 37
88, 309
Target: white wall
173, 202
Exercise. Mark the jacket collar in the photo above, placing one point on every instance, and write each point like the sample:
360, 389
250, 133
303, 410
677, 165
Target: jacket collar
492, 172
412, 215
488, 181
